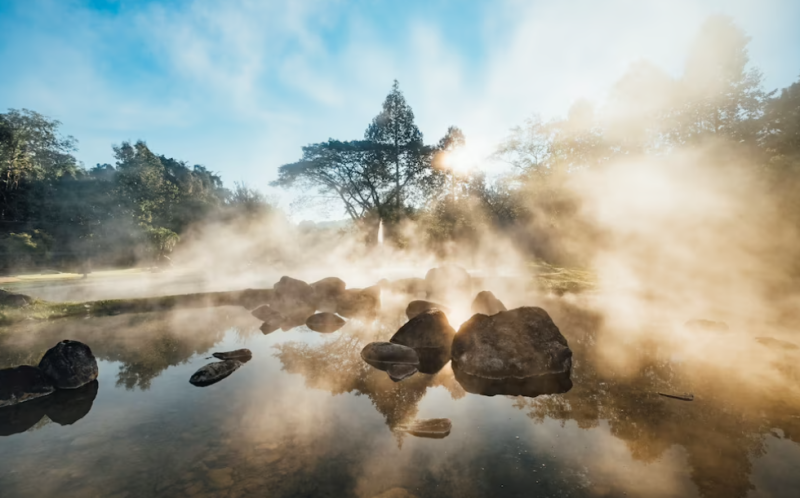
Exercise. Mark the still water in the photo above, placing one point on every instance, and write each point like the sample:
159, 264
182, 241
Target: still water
307, 417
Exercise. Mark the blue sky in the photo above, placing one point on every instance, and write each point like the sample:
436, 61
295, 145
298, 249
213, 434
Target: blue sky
240, 86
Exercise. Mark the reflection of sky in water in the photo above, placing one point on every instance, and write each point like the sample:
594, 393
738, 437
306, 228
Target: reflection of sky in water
311, 419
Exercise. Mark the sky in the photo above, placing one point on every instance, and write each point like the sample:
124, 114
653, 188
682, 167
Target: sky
241, 86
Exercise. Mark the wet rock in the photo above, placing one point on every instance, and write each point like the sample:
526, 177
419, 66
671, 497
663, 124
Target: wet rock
430, 335
325, 322
294, 299
400, 371
13, 300
706, 326
69, 365
486, 303
416, 307
243, 355
359, 303
23, 383
773, 343
434, 428
387, 353
214, 372
270, 316
67, 406
18, 418
517, 352
328, 291
253, 298
448, 283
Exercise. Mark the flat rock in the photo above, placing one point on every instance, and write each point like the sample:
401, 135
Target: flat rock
400, 371
434, 428
328, 291
418, 306
325, 322
214, 372
23, 383
517, 352
243, 355
69, 365
388, 353
486, 303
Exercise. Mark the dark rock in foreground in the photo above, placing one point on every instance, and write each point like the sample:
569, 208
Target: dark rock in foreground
400, 371
706, 326
325, 322
23, 383
448, 283
400, 362
69, 365
13, 300
435, 428
360, 303
517, 352
328, 291
243, 355
431, 336
486, 303
416, 307
214, 372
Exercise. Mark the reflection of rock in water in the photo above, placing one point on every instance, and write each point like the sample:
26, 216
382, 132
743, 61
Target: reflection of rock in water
243, 355
517, 352
324, 322
23, 384
64, 407
399, 361
214, 372
434, 428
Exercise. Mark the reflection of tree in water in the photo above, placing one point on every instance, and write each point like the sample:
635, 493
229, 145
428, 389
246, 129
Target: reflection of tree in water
144, 344
722, 431
336, 366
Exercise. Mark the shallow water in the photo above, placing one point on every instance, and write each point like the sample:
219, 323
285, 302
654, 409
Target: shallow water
307, 417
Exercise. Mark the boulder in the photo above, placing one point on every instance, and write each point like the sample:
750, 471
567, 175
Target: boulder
706, 326
388, 353
359, 303
13, 300
517, 352
486, 303
243, 355
434, 428
214, 372
272, 318
294, 299
253, 298
400, 371
69, 365
23, 383
328, 291
449, 283
431, 336
416, 307
325, 322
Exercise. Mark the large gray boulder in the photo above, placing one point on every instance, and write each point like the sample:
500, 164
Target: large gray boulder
23, 383
69, 365
487, 304
448, 283
431, 336
517, 352
328, 291
416, 307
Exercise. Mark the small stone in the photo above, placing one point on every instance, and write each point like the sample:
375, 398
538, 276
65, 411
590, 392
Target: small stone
243, 355
214, 372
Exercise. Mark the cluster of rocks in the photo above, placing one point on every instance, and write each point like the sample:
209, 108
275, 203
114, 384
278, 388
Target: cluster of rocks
68, 365
216, 371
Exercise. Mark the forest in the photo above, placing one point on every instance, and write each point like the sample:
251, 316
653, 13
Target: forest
56, 213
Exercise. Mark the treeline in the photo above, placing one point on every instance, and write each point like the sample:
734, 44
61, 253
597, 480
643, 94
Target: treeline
56, 213
718, 102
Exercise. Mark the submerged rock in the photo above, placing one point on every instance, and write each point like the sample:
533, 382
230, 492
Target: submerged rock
706, 326
214, 372
486, 303
448, 283
517, 352
13, 300
243, 355
416, 307
359, 303
434, 428
328, 291
23, 383
430, 335
69, 365
294, 299
325, 322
